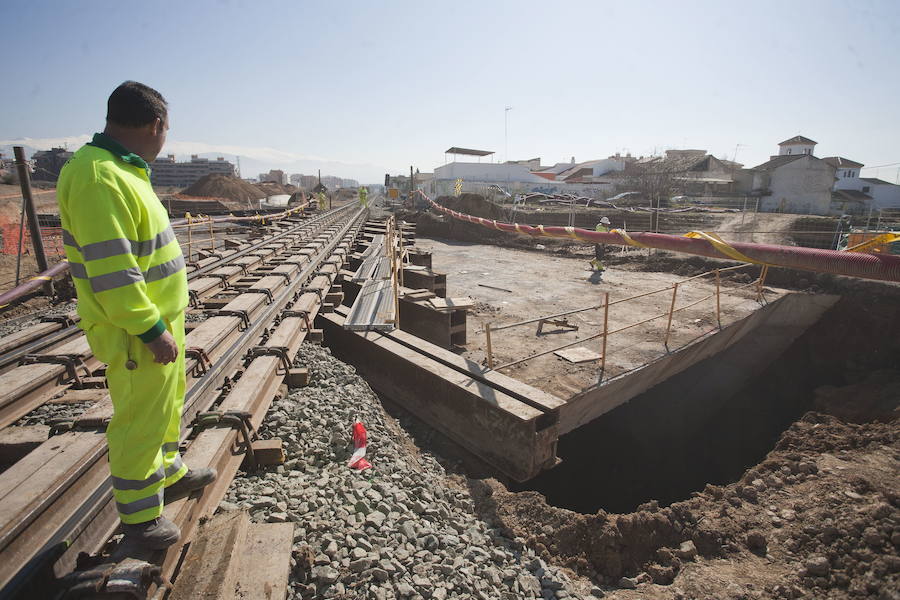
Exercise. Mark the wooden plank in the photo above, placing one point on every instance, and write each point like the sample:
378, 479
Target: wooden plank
266, 567
578, 354
452, 303
210, 568
16, 442
78, 396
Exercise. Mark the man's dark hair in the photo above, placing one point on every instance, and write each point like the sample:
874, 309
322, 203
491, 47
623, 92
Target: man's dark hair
134, 104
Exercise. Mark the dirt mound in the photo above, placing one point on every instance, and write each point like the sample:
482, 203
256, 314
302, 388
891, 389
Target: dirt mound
473, 204
215, 185
270, 188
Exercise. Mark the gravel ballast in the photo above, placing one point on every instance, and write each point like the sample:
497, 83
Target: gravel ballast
403, 529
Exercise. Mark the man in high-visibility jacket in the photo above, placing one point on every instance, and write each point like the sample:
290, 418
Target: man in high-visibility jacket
321, 198
600, 249
363, 197
129, 274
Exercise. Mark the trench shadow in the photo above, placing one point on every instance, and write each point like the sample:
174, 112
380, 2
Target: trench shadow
596, 277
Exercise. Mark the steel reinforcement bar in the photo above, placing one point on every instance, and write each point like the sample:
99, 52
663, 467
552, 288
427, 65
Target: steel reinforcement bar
56, 502
883, 267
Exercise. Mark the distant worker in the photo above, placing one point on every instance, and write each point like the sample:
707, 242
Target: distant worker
130, 277
320, 196
600, 249
363, 197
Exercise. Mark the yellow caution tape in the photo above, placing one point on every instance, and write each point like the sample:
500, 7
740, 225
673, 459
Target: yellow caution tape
722, 246
40, 278
631, 241
879, 240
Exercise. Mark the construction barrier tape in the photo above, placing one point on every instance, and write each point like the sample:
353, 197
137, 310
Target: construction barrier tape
628, 239
880, 240
722, 246
40, 278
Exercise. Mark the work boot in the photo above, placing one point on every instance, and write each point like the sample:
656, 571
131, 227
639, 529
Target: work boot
158, 534
194, 479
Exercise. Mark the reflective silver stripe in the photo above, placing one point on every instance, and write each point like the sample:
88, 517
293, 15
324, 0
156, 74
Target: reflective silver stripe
169, 447
130, 508
148, 247
69, 239
175, 466
116, 279
118, 246
121, 484
78, 270
105, 249
165, 269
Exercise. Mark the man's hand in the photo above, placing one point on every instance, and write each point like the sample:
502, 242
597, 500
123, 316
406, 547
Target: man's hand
164, 348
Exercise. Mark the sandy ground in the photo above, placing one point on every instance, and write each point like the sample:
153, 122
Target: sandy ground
544, 284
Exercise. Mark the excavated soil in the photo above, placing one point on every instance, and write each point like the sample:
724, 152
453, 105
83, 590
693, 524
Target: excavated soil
226, 187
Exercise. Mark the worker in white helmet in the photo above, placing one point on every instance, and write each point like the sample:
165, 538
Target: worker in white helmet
600, 249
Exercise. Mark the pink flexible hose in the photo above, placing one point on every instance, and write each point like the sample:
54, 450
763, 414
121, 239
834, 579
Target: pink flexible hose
883, 267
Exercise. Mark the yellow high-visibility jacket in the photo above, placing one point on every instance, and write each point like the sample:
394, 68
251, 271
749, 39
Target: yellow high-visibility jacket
128, 268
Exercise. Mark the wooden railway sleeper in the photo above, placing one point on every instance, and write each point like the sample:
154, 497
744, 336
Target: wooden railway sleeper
64, 320
287, 278
277, 351
269, 297
72, 362
303, 314
313, 290
241, 314
204, 362
223, 277
236, 419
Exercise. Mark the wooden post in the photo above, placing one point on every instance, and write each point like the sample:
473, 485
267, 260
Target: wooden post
212, 235
671, 312
718, 300
605, 329
190, 235
761, 282
37, 242
490, 350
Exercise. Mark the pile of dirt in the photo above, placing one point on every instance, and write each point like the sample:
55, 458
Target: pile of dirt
819, 517
228, 187
270, 188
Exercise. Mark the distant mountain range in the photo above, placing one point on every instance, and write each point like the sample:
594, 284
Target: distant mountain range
253, 160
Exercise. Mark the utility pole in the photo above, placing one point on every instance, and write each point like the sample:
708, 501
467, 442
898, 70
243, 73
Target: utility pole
506, 133
25, 181
412, 183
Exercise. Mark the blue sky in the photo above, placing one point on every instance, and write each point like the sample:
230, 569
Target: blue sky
366, 87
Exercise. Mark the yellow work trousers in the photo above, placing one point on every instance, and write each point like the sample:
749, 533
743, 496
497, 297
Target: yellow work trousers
145, 428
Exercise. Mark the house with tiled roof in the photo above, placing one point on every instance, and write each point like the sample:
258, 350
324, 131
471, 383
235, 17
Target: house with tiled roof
843, 167
796, 145
794, 181
884, 194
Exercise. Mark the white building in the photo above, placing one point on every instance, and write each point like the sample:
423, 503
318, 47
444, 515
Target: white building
796, 145
843, 167
487, 172
794, 183
885, 195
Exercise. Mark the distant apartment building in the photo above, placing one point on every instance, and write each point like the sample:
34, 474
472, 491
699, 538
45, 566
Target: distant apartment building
274, 176
349, 183
794, 180
166, 172
48, 163
295, 179
308, 182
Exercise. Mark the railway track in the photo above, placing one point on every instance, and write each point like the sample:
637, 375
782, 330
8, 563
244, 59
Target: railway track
260, 300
